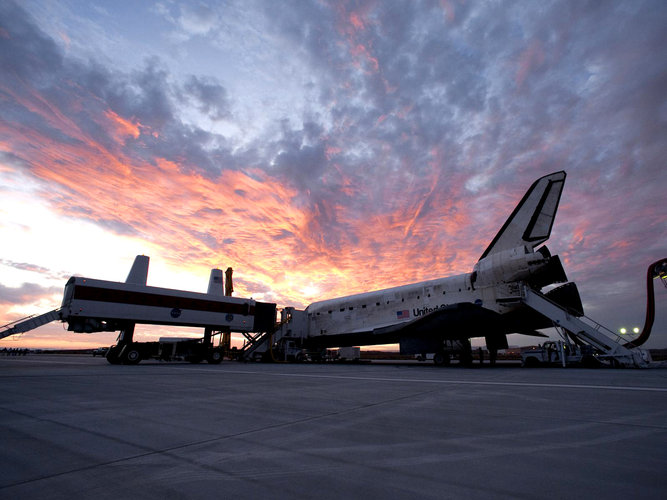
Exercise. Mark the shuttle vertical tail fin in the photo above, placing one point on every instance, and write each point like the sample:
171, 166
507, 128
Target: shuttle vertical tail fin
531, 221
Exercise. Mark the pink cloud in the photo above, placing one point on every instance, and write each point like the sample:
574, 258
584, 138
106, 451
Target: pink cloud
121, 127
450, 10
352, 26
529, 60
245, 219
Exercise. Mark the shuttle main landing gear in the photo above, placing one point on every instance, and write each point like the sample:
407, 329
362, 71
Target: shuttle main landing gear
459, 349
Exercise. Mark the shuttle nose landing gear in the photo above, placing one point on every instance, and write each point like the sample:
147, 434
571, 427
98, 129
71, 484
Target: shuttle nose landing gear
460, 349
465, 358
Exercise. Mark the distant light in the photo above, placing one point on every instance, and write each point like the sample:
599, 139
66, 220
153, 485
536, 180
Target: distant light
623, 331
635, 329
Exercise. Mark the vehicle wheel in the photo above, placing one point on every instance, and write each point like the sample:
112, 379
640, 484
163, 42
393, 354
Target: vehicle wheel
531, 362
112, 356
132, 356
590, 362
215, 357
441, 359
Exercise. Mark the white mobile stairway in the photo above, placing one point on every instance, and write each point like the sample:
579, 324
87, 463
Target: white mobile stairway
281, 343
29, 323
260, 345
610, 346
256, 344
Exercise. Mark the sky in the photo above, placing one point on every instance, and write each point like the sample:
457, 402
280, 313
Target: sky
324, 148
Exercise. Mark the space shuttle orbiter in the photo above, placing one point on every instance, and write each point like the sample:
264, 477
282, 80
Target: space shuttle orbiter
422, 317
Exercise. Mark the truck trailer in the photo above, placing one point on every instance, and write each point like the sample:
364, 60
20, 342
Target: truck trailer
92, 305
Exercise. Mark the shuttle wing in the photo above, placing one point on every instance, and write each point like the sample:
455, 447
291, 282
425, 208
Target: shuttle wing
452, 322
531, 221
454, 319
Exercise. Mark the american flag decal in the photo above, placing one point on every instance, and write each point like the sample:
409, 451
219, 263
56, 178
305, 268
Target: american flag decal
402, 314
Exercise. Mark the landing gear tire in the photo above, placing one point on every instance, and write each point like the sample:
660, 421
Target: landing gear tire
466, 359
493, 355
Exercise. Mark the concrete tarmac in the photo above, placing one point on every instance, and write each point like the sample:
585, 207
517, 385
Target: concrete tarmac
78, 427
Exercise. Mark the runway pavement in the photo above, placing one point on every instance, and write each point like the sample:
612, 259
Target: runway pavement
78, 427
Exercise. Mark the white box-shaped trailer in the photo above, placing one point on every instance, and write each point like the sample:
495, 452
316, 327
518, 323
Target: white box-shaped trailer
349, 353
95, 305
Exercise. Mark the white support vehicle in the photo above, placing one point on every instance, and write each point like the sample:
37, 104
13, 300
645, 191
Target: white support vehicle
559, 353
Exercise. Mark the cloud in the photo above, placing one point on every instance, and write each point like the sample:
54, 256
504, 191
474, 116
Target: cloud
198, 18
34, 268
190, 19
26, 293
210, 97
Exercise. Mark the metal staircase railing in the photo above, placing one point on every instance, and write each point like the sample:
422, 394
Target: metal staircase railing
585, 329
263, 341
255, 342
28, 323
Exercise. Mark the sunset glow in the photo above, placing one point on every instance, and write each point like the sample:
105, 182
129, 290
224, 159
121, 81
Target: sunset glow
327, 148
